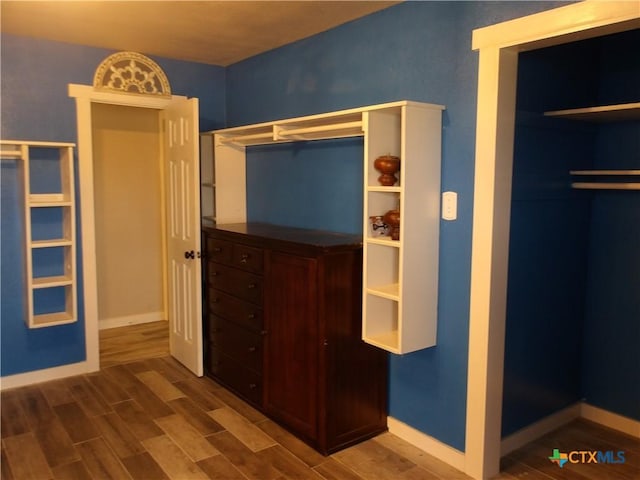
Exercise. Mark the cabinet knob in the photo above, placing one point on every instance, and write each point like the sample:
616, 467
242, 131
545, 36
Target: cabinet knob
190, 255
252, 386
251, 316
244, 257
252, 349
217, 249
251, 286
214, 273
214, 300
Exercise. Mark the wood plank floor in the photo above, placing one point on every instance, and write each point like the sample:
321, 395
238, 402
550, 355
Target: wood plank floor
144, 416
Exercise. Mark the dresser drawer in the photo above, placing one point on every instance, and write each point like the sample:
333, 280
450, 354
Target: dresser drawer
247, 258
219, 250
241, 284
243, 381
231, 308
244, 346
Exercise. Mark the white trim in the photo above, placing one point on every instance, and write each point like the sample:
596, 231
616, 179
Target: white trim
536, 430
426, 443
126, 99
609, 419
489, 256
115, 322
44, 375
573, 22
85, 96
490, 243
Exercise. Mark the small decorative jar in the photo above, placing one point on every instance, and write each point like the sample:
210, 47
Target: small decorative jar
392, 218
387, 165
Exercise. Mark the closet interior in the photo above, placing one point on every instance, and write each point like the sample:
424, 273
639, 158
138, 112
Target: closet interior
573, 299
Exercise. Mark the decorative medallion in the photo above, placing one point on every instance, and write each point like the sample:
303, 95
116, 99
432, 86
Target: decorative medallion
131, 72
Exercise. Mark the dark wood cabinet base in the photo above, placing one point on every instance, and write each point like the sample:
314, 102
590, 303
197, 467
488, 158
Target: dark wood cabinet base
283, 321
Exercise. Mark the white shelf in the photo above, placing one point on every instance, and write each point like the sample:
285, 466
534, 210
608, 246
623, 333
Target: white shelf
606, 185
387, 341
400, 277
62, 155
57, 281
384, 241
385, 189
605, 172
605, 113
52, 319
54, 242
391, 292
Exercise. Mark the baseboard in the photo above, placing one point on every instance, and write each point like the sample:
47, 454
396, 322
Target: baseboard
609, 419
427, 444
562, 417
538, 429
131, 320
44, 375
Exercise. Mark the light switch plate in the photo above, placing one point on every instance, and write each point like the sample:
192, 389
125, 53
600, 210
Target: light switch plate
449, 205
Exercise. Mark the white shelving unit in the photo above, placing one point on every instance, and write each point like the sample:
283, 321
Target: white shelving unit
626, 179
207, 179
49, 230
400, 288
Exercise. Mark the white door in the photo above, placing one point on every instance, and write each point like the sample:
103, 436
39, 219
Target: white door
182, 173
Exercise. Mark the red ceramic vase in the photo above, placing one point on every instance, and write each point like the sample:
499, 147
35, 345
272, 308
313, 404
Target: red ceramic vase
387, 165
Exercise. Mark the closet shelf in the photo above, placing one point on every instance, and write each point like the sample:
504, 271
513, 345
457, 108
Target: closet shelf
606, 186
606, 113
605, 172
597, 185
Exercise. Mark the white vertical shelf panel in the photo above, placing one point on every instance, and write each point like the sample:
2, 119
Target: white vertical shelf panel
419, 226
207, 178
231, 182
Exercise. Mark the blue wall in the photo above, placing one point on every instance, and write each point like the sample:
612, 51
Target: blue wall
418, 51
36, 106
574, 283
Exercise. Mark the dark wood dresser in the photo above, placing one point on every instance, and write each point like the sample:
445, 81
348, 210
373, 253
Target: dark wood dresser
283, 320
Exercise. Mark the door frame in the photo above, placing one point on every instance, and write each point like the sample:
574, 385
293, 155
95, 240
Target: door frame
85, 96
499, 46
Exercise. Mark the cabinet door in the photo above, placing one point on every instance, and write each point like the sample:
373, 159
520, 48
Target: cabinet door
292, 343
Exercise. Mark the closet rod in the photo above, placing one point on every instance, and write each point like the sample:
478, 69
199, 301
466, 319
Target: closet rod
606, 186
605, 172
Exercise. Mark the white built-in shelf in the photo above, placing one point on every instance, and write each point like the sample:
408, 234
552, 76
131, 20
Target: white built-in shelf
391, 291
384, 241
60, 302
606, 113
400, 277
603, 114
635, 185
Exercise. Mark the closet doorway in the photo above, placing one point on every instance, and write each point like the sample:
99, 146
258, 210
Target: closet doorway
178, 210
499, 46
129, 216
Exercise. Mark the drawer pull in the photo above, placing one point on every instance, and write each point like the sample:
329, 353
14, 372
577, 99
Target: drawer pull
214, 273
252, 386
251, 316
217, 249
251, 285
215, 300
244, 257
252, 349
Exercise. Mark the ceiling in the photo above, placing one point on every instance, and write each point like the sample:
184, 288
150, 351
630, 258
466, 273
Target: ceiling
212, 32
